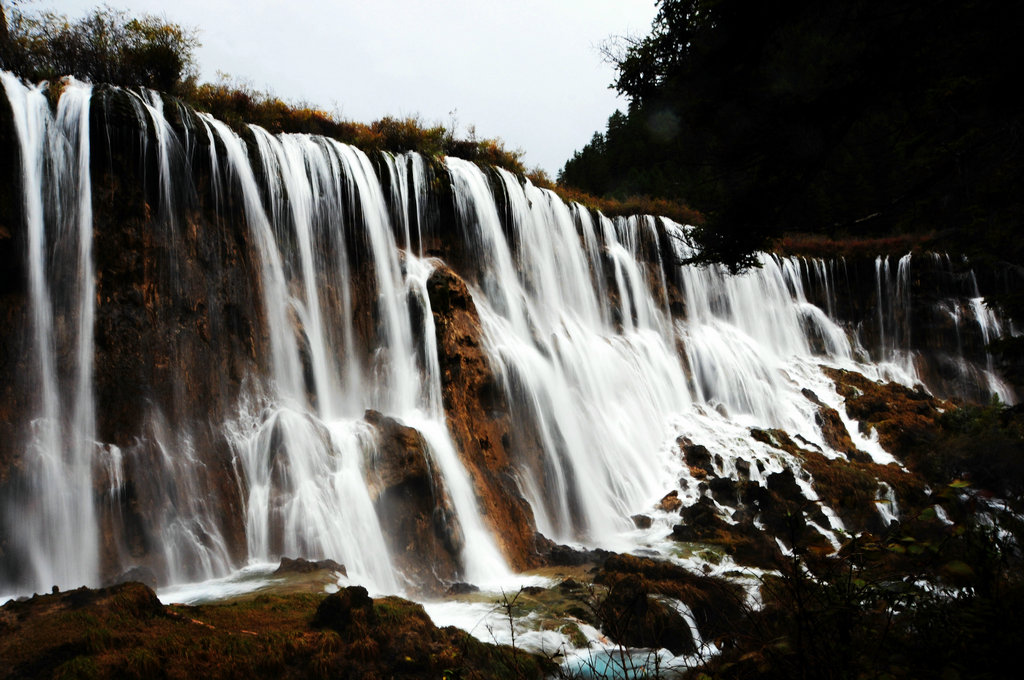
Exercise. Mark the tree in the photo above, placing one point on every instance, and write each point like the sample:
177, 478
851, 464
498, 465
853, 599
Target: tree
851, 117
105, 46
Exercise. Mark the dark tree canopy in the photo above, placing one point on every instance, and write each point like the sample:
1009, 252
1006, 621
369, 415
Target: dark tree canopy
850, 118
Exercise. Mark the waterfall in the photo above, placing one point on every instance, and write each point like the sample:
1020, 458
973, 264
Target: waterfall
53, 522
608, 354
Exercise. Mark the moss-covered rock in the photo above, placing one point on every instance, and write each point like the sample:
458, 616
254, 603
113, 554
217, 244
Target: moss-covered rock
124, 631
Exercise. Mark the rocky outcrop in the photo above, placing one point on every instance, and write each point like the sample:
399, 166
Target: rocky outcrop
301, 565
925, 308
415, 510
833, 430
478, 417
125, 632
902, 417
637, 611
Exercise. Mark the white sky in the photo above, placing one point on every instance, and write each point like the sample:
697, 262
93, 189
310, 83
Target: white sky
527, 71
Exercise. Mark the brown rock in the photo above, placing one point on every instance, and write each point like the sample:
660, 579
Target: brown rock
833, 430
633, 614
478, 419
670, 502
344, 608
303, 566
415, 510
641, 521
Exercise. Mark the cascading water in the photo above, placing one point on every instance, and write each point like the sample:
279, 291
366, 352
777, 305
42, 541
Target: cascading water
607, 352
53, 518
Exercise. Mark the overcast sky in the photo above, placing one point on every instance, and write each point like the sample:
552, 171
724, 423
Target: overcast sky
528, 71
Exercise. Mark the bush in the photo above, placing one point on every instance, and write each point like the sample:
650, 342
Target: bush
107, 46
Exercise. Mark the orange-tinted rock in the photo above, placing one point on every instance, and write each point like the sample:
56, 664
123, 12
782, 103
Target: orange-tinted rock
833, 430
478, 419
903, 417
670, 502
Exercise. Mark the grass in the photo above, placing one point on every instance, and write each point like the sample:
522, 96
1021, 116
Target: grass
239, 104
123, 632
819, 245
613, 207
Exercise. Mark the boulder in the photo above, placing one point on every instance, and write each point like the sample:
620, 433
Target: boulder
338, 611
137, 574
670, 502
303, 566
635, 611
642, 521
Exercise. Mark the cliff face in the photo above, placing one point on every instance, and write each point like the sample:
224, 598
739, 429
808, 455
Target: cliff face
280, 346
926, 312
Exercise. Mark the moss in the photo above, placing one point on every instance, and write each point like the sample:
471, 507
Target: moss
851, 488
632, 581
676, 211
576, 637
938, 440
818, 245
267, 636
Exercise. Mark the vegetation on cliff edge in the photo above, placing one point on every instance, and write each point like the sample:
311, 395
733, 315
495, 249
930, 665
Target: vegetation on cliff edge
111, 46
849, 118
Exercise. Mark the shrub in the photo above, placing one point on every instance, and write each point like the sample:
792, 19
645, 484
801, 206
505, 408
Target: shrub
105, 46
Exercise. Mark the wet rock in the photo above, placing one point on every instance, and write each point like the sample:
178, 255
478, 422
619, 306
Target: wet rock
743, 515
743, 470
478, 418
905, 419
569, 585
630, 616
303, 566
702, 515
635, 613
415, 510
565, 556
811, 396
834, 431
461, 588
696, 455
138, 574
670, 502
724, 491
340, 610
641, 521
784, 484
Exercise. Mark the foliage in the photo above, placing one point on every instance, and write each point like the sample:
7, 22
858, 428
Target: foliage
868, 611
820, 245
845, 118
109, 46
239, 104
633, 205
982, 444
106, 45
